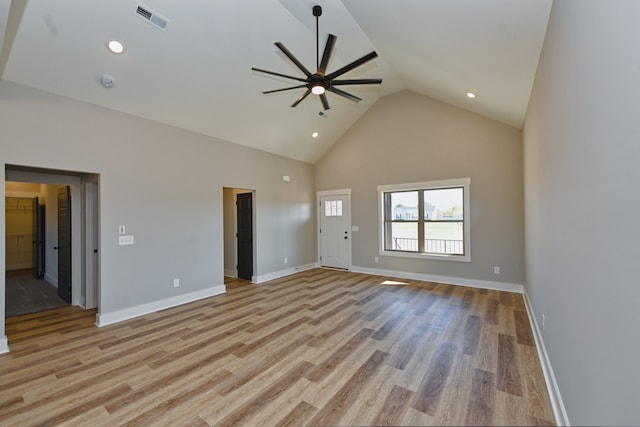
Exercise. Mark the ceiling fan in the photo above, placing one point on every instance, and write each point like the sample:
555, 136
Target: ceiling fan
320, 82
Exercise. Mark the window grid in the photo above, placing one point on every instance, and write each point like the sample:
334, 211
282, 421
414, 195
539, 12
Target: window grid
333, 208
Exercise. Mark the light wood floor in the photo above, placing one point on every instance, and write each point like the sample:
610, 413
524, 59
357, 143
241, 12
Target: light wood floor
321, 347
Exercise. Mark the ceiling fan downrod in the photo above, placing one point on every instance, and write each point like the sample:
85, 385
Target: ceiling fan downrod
317, 12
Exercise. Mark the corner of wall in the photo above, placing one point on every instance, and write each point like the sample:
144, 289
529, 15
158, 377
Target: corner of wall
282, 273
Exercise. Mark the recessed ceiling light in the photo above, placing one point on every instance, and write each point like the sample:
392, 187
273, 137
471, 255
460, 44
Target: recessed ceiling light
314, 135
115, 46
471, 95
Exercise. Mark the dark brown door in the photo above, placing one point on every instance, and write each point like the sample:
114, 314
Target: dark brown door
38, 239
245, 235
64, 244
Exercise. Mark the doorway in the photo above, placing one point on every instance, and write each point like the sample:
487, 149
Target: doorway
334, 232
69, 243
26, 288
239, 233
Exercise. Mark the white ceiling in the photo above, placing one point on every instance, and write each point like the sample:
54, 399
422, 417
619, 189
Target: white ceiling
197, 73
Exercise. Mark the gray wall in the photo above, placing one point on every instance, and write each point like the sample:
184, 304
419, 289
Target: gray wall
582, 150
165, 185
407, 138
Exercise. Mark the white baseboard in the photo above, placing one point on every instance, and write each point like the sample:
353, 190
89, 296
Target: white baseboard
472, 283
231, 273
4, 344
559, 411
282, 273
51, 279
104, 319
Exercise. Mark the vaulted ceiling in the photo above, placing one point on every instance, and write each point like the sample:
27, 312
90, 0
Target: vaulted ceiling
196, 72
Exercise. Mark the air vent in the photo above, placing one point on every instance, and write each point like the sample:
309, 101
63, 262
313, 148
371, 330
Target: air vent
144, 13
152, 17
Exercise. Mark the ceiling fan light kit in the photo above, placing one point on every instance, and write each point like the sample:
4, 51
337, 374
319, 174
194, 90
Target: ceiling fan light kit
320, 82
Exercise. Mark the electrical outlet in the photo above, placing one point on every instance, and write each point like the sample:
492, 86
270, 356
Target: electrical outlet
125, 240
543, 321
376, 260
176, 283
496, 270
286, 260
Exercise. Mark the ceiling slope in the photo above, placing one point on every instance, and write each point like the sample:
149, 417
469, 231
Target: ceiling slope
196, 74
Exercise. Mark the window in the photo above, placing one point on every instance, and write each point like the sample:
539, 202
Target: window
333, 208
426, 219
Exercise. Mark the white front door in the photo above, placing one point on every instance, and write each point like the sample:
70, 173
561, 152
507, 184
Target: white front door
335, 236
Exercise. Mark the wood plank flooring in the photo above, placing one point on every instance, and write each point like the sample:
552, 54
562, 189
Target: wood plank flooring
321, 347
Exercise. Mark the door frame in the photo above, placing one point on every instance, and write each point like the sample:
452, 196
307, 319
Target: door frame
346, 192
81, 226
92, 241
230, 219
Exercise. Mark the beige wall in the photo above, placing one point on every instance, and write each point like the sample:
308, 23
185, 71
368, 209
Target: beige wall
582, 151
19, 213
407, 138
19, 223
22, 189
47, 195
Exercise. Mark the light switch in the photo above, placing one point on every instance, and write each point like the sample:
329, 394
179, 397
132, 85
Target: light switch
121, 230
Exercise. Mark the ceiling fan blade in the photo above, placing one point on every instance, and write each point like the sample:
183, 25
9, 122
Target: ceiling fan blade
283, 89
260, 70
354, 64
345, 94
356, 82
325, 102
303, 96
328, 48
293, 59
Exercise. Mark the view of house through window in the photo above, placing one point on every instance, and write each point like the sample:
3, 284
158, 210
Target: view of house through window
426, 220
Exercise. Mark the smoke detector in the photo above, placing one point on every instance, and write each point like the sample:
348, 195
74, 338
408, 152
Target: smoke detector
107, 81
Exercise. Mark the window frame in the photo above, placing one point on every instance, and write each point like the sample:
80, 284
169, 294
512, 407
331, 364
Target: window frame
464, 183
